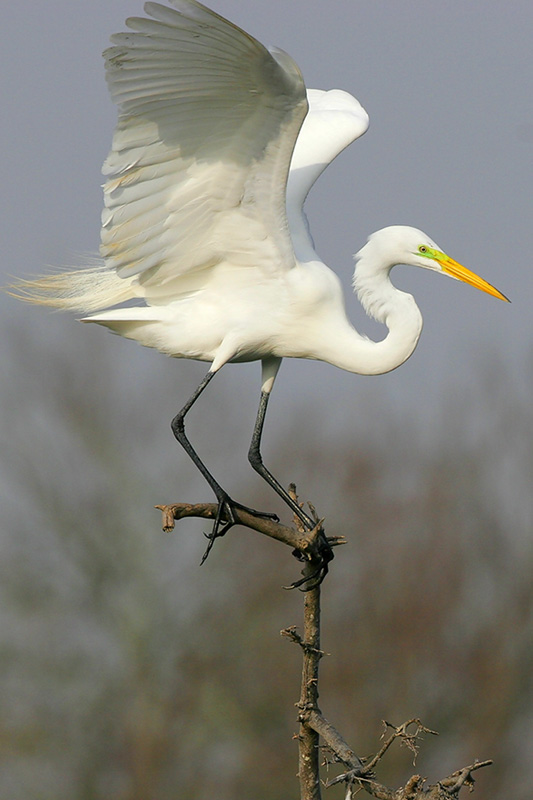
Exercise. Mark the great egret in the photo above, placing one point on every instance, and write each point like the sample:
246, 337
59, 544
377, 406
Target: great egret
217, 145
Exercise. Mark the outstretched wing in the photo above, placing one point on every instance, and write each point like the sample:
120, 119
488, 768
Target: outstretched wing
200, 156
334, 121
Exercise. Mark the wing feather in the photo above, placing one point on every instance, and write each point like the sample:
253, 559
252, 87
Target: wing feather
334, 121
197, 173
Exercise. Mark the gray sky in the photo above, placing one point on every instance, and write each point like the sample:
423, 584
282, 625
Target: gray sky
447, 85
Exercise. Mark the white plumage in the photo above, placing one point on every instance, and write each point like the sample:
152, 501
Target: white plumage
216, 147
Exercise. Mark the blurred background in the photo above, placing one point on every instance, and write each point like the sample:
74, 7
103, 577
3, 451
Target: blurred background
126, 671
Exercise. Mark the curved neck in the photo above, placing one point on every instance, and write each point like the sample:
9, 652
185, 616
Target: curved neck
350, 351
385, 303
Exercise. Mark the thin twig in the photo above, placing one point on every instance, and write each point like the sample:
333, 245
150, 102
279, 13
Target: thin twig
462, 777
409, 739
292, 634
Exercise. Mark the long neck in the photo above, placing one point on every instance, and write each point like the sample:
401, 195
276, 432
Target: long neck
387, 304
395, 309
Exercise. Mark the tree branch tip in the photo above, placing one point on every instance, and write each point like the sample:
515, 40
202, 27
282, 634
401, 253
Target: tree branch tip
336, 541
291, 633
168, 518
401, 730
488, 762
462, 777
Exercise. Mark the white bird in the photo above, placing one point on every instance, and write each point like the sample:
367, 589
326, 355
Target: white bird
216, 147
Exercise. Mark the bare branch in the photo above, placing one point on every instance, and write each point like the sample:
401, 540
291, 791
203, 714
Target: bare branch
309, 753
309, 546
335, 742
462, 777
297, 521
292, 634
315, 549
275, 530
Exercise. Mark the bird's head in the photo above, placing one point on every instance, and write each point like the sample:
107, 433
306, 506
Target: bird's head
401, 244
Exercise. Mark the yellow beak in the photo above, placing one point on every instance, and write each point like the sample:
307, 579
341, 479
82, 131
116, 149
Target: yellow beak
456, 270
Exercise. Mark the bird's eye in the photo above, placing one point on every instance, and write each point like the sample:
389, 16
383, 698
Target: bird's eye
422, 248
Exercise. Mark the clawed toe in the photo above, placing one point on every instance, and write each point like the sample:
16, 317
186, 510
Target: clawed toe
312, 581
225, 519
254, 512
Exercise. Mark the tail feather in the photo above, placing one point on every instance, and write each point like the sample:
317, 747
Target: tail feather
88, 289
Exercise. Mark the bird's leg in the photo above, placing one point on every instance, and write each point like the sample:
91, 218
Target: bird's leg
225, 517
256, 460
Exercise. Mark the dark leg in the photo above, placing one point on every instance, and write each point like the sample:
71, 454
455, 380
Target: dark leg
225, 517
256, 460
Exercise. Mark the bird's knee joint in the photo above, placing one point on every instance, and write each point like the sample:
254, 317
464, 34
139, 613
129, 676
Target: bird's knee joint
178, 426
254, 457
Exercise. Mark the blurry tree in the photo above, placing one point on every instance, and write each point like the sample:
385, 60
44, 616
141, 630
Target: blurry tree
126, 671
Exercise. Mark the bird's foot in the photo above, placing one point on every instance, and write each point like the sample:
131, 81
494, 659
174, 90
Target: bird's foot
311, 581
225, 519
